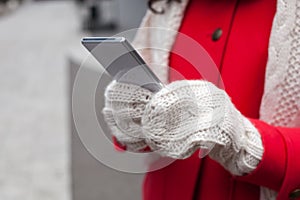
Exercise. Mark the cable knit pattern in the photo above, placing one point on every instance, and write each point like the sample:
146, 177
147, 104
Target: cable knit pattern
155, 47
124, 107
181, 118
188, 115
281, 100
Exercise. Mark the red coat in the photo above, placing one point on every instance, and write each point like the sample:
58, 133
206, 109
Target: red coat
241, 56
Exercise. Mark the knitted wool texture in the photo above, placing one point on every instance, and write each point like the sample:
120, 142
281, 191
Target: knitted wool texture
124, 108
181, 118
281, 100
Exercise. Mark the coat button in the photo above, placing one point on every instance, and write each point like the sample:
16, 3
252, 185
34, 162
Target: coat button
295, 194
217, 34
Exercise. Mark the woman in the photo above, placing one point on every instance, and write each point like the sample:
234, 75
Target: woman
255, 45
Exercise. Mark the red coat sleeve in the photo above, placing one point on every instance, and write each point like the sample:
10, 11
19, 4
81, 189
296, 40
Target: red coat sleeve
279, 168
118, 146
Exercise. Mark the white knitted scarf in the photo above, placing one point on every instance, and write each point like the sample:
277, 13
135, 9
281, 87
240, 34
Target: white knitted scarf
281, 99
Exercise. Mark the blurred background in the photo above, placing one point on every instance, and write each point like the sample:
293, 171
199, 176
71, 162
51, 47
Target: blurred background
41, 156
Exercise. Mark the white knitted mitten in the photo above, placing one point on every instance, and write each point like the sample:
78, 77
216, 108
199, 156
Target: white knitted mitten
185, 116
124, 107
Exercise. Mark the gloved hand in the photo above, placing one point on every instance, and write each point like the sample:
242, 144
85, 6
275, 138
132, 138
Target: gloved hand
181, 118
123, 111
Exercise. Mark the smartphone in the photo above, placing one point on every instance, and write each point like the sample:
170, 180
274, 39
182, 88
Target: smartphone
122, 61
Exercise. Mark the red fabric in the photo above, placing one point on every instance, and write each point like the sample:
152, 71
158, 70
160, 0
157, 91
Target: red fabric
241, 56
118, 146
291, 179
271, 138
